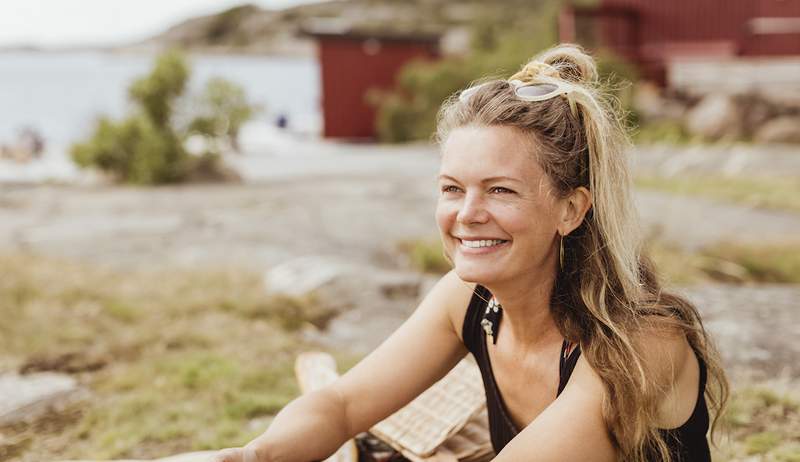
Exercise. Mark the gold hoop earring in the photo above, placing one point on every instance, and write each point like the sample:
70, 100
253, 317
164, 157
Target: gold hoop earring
561, 253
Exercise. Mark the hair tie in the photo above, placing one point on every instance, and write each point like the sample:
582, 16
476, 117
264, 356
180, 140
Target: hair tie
533, 70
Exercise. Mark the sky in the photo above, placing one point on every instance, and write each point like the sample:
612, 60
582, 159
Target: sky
58, 23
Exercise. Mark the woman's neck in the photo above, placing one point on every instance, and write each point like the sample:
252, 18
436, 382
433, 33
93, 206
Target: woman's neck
526, 310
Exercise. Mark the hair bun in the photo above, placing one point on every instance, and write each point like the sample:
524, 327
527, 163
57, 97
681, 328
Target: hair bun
571, 61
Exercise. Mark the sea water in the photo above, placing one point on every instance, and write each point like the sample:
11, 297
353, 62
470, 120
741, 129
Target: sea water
61, 94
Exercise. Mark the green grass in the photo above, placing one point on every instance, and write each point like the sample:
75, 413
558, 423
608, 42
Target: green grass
193, 359
425, 255
777, 193
731, 263
666, 131
761, 422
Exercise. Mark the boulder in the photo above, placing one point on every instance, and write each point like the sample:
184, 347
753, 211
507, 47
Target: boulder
304, 275
784, 129
715, 117
24, 398
340, 285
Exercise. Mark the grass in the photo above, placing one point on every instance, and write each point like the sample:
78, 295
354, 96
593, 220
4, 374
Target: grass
730, 263
762, 423
197, 360
666, 131
176, 360
727, 262
775, 193
425, 255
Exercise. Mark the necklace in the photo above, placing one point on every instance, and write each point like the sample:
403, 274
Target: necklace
491, 319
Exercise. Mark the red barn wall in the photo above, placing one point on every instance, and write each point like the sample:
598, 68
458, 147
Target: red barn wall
722, 22
350, 67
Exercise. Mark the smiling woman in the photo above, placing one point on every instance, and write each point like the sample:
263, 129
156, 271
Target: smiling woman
594, 360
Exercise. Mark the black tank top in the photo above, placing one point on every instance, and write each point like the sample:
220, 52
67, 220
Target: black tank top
686, 443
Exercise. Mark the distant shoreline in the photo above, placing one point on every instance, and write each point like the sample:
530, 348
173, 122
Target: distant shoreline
299, 52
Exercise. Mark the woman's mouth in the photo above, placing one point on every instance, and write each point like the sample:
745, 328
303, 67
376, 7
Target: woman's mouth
481, 246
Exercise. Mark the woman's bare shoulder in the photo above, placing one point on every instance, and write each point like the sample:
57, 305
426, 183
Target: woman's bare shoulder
673, 366
452, 294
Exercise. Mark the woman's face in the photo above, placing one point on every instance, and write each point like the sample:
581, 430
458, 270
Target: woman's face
496, 213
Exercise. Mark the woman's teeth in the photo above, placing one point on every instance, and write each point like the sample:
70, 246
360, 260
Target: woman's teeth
478, 244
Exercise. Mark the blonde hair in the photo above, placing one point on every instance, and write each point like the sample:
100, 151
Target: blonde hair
607, 294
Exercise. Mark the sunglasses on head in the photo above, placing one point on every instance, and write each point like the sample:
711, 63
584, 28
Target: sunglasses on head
527, 91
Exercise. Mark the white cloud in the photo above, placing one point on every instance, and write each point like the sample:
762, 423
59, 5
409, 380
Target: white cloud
103, 22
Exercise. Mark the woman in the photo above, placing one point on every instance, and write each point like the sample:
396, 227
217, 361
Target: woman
583, 356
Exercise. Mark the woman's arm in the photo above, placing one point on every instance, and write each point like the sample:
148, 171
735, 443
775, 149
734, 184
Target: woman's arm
572, 427
413, 358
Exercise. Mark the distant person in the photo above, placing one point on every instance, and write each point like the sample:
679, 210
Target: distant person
282, 121
584, 356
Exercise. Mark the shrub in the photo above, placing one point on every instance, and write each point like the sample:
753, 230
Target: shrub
223, 109
148, 146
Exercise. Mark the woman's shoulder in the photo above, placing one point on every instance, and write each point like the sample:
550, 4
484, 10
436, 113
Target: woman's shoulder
453, 295
673, 369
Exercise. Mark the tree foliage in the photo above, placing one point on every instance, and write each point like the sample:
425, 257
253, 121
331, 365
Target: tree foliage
148, 146
222, 110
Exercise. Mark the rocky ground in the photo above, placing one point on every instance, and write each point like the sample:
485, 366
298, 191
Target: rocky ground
356, 203
353, 204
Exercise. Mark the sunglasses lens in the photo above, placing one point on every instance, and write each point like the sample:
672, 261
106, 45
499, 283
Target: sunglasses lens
537, 90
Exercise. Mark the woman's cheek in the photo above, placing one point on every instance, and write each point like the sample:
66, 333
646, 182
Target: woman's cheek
444, 215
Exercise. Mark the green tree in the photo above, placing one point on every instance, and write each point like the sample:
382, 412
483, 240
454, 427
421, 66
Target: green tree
148, 146
157, 92
223, 110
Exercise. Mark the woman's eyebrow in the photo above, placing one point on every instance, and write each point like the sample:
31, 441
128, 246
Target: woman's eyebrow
500, 178
485, 180
448, 177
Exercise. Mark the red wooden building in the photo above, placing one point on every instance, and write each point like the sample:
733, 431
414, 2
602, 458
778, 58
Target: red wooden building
353, 62
650, 33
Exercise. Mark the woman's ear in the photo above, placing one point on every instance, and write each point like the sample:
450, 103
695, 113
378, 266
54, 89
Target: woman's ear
575, 207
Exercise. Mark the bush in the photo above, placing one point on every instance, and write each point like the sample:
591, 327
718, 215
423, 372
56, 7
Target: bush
223, 109
148, 146
135, 151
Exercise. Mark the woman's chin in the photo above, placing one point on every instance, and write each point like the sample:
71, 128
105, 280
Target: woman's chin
475, 274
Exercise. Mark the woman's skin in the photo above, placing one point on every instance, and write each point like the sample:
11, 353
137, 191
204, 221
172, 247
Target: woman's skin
491, 188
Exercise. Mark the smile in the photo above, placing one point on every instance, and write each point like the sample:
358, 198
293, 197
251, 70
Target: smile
482, 243
481, 246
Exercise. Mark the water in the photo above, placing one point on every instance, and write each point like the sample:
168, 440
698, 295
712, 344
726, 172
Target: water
61, 94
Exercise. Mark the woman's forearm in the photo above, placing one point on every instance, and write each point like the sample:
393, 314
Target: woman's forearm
312, 427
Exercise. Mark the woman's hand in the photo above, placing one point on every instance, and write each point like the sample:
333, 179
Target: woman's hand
245, 454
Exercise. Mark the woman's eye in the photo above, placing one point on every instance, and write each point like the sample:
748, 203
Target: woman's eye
450, 188
501, 190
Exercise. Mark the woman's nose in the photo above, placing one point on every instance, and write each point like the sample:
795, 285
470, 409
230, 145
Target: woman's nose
472, 210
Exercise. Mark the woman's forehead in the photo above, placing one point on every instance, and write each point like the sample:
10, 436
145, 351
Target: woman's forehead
486, 152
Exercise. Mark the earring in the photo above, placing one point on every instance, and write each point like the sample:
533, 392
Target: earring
561, 253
